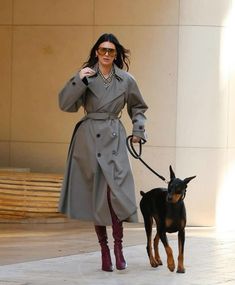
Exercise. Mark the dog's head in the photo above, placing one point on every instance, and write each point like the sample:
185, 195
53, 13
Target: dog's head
177, 187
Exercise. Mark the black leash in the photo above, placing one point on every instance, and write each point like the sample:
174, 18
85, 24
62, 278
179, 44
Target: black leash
136, 155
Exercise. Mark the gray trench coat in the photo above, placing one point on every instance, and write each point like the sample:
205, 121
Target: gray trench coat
98, 156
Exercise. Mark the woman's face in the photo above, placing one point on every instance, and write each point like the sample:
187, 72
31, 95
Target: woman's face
106, 53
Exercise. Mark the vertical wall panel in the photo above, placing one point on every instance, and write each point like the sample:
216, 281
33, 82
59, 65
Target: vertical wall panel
5, 86
204, 12
51, 12
6, 12
139, 12
202, 107
202, 92
45, 58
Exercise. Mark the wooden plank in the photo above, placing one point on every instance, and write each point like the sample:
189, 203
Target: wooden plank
28, 183
25, 187
28, 198
29, 195
30, 209
17, 192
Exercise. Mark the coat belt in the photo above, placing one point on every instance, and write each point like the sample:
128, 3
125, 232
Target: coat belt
101, 116
94, 116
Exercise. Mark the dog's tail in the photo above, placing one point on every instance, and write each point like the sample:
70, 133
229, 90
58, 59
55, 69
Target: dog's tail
142, 193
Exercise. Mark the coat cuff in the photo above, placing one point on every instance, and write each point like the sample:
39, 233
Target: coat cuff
140, 134
77, 81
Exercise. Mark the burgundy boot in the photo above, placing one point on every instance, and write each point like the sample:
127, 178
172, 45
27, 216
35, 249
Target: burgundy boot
105, 252
117, 235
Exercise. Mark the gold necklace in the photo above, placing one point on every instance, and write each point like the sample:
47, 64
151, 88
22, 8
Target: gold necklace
107, 80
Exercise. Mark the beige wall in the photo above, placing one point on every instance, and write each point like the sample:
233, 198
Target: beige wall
204, 113
176, 54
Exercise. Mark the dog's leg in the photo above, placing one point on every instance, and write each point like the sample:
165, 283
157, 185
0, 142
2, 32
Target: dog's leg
169, 252
156, 251
156, 243
148, 224
181, 239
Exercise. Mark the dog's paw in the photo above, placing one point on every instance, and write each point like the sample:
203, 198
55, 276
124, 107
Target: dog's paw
159, 261
180, 270
153, 262
171, 266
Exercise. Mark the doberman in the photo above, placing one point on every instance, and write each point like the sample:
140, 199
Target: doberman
166, 207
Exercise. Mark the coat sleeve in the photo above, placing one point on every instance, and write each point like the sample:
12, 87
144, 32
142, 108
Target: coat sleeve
71, 96
136, 108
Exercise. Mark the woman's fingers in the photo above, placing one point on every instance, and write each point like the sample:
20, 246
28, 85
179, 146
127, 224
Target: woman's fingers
136, 139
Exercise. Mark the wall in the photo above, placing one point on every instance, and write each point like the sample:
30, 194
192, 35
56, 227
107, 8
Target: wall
175, 57
203, 111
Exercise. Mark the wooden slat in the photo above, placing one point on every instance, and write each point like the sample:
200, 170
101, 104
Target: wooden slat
17, 192
27, 181
30, 209
29, 195
25, 187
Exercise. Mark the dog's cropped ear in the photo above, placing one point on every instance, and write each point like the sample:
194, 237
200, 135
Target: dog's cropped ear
172, 174
187, 180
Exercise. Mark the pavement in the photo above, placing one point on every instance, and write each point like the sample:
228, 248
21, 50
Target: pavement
209, 260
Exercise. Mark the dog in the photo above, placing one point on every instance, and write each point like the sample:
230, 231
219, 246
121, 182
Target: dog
166, 207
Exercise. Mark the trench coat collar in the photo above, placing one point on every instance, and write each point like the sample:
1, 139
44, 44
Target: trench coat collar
99, 91
118, 72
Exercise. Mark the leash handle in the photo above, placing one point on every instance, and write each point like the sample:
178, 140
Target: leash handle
131, 147
137, 155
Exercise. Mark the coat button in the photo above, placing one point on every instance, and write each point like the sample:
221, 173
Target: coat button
98, 135
114, 134
99, 154
74, 83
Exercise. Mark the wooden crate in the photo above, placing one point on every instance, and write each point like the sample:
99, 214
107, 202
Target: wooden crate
29, 195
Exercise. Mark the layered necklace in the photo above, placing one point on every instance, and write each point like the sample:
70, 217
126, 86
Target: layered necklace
107, 80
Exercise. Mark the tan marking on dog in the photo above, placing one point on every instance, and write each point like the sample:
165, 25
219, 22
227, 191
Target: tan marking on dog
170, 259
183, 223
152, 259
180, 268
168, 222
156, 252
176, 198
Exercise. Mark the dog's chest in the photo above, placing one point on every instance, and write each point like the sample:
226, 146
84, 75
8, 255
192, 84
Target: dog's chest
175, 220
174, 225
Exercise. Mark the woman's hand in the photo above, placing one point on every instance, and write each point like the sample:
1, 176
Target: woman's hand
87, 71
135, 139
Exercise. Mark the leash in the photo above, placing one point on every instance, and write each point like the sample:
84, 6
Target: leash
136, 155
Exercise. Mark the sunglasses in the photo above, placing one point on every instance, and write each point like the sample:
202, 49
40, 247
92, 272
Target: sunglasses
110, 51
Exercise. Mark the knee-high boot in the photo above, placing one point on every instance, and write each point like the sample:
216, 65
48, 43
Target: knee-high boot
118, 236
105, 252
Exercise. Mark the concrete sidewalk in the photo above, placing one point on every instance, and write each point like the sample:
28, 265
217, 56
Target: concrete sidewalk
209, 260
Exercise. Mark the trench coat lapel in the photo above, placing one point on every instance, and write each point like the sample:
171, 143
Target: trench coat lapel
93, 83
99, 90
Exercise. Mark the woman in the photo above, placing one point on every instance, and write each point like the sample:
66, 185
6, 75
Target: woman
98, 183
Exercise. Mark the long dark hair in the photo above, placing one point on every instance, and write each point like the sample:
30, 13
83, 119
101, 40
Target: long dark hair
122, 57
